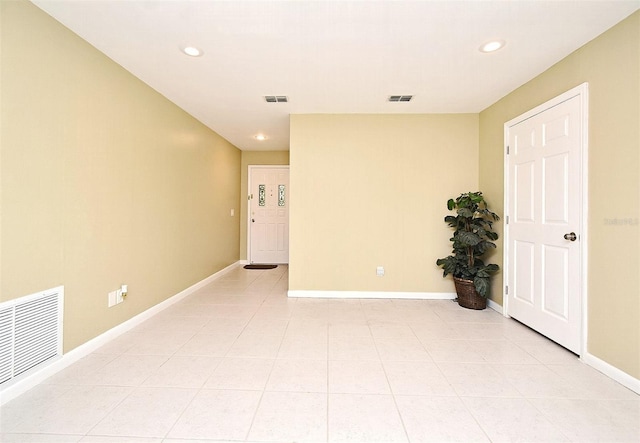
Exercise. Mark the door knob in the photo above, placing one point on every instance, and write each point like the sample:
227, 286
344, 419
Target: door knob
253, 220
571, 236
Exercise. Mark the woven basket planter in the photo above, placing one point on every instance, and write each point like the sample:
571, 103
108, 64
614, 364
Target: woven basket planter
468, 297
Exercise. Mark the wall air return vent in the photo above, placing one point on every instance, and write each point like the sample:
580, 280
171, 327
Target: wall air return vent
400, 98
30, 332
276, 99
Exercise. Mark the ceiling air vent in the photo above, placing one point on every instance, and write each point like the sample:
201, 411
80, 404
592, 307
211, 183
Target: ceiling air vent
400, 98
276, 99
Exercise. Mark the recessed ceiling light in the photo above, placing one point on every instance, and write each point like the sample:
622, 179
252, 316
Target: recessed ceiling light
260, 137
492, 46
192, 51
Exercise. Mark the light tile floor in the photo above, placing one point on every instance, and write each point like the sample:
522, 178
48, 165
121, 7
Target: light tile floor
239, 361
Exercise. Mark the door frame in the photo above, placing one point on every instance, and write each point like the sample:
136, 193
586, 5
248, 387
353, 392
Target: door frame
250, 169
581, 91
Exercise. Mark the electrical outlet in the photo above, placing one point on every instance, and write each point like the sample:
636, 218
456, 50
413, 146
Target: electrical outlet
119, 297
380, 271
112, 298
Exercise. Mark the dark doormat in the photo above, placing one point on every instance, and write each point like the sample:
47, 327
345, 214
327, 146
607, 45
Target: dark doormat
260, 266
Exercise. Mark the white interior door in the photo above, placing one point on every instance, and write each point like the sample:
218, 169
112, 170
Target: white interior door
544, 228
268, 214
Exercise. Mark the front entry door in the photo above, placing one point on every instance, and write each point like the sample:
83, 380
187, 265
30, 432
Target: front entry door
269, 214
544, 228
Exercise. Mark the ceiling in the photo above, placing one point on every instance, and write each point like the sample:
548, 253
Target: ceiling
332, 56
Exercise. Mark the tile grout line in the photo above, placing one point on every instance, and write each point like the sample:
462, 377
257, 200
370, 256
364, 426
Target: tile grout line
264, 388
391, 392
198, 390
327, 386
202, 386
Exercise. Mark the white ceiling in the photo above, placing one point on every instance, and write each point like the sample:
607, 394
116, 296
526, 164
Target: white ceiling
332, 56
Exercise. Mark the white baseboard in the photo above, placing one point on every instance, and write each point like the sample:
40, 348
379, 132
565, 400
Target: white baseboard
495, 306
23, 383
372, 294
612, 372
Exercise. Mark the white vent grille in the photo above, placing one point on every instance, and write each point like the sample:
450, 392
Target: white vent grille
276, 99
6, 344
30, 332
400, 98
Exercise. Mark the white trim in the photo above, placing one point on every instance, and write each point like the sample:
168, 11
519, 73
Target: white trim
505, 226
495, 306
612, 372
372, 294
584, 229
581, 91
21, 385
248, 221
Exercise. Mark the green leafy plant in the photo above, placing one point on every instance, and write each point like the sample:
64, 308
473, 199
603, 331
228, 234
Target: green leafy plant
473, 236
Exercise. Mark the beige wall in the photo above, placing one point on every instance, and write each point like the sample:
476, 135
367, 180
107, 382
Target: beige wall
254, 158
104, 181
611, 65
371, 190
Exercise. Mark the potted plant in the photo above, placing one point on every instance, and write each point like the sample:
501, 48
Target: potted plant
473, 236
